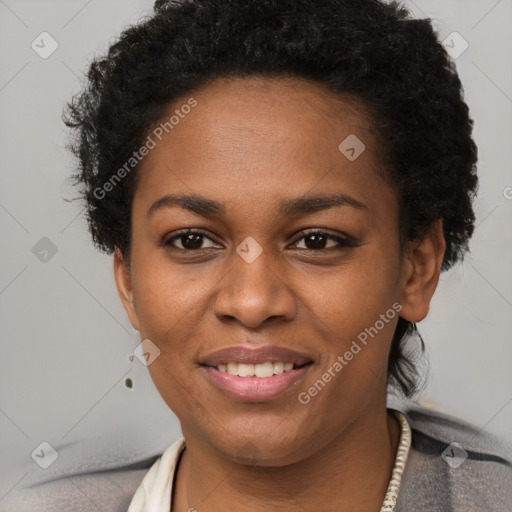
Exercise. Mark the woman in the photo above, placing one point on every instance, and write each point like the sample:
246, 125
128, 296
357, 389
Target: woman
281, 184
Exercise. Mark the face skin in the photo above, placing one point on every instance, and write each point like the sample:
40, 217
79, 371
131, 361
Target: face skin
251, 144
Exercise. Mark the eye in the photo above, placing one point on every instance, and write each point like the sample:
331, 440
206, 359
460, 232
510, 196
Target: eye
317, 240
190, 240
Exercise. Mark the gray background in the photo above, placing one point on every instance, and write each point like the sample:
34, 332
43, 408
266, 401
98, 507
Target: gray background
65, 341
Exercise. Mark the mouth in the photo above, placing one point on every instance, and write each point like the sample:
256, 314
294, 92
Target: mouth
261, 382
259, 371
255, 374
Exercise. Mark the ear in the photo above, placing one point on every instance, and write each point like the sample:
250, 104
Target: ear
124, 287
421, 271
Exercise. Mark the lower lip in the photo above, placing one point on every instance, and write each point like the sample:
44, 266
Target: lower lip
256, 389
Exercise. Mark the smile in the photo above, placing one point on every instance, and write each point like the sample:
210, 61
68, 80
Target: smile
262, 370
256, 382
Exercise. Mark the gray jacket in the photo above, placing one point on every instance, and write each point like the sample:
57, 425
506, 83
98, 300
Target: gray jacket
475, 474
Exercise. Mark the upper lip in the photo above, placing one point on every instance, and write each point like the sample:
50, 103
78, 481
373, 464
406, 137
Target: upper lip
262, 354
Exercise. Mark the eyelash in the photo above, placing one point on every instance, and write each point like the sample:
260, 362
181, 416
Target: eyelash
343, 241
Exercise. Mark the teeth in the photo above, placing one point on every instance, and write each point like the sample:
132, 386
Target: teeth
246, 370
278, 368
232, 368
262, 370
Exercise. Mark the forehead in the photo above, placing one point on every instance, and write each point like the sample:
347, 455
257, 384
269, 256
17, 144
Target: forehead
257, 137
259, 110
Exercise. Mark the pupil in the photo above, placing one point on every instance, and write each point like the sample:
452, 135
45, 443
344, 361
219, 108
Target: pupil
188, 241
316, 244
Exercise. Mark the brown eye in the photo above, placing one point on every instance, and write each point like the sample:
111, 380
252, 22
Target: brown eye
190, 240
317, 241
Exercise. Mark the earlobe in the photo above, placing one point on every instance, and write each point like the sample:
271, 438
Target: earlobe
422, 269
124, 287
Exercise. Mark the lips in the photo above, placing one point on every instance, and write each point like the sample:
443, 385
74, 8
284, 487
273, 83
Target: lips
262, 374
260, 355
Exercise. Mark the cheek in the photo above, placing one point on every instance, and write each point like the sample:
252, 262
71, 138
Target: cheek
357, 324
165, 297
168, 308
360, 307
359, 293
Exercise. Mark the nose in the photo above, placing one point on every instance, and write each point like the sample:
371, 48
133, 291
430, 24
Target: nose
254, 292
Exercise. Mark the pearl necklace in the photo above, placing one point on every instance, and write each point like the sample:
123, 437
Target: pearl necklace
404, 445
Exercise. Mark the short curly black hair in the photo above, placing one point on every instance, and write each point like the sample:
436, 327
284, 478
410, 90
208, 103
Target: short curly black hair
368, 49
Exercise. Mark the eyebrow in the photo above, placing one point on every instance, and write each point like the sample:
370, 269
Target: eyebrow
289, 207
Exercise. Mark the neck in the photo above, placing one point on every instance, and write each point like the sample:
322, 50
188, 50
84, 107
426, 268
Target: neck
351, 472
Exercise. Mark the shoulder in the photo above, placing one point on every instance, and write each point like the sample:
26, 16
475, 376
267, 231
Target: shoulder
454, 466
89, 475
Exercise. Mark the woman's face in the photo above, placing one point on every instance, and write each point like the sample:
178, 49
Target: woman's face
253, 278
